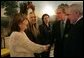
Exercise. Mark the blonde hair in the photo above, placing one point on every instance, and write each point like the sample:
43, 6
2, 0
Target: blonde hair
77, 8
33, 27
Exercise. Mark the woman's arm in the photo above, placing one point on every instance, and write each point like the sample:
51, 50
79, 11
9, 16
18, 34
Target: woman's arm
28, 44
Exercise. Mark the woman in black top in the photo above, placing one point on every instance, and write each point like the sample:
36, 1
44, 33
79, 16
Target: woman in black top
45, 33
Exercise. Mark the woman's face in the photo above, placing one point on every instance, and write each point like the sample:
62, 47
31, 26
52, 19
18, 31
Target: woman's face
32, 18
46, 19
23, 25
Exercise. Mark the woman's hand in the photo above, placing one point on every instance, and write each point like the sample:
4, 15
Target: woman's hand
46, 47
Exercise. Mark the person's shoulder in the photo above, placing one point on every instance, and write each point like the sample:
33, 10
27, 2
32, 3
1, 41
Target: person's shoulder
15, 33
41, 26
81, 20
80, 23
54, 23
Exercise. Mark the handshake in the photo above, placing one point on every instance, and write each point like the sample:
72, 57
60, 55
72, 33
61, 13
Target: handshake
46, 47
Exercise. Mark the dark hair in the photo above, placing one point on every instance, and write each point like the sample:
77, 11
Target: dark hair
44, 16
18, 18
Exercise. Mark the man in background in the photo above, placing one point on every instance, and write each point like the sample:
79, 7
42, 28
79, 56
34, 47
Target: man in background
73, 39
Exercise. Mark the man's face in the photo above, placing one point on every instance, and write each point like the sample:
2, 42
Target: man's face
60, 14
72, 15
46, 19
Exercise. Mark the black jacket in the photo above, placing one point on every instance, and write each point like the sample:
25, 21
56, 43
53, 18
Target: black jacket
73, 40
46, 34
58, 40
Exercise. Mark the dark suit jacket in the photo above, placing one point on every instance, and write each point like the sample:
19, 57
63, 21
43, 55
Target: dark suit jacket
46, 34
56, 30
73, 40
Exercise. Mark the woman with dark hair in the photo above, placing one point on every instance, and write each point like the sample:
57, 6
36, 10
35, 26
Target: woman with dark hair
45, 32
20, 45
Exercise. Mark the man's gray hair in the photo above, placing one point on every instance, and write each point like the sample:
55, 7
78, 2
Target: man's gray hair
77, 8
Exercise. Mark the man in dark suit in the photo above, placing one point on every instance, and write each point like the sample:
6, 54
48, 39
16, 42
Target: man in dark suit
58, 29
73, 39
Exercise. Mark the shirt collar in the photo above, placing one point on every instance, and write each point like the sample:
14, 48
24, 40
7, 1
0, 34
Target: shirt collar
78, 19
